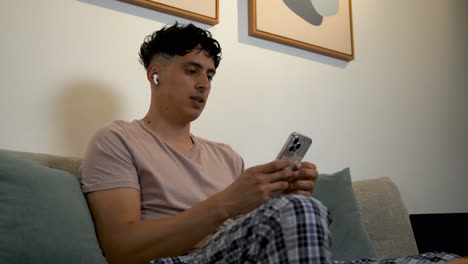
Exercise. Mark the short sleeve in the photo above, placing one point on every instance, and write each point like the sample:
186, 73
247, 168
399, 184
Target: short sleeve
240, 163
108, 163
237, 160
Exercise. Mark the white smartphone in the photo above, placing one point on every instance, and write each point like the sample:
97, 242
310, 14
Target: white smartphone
295, 148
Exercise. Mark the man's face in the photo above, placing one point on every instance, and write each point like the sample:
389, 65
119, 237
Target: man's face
184, 86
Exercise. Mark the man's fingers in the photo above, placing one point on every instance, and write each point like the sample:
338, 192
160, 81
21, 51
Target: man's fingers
273, 166
278, 186
302, 185
306, 165
281, 175
306, 174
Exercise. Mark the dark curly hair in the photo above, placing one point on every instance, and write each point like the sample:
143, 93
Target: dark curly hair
178, 40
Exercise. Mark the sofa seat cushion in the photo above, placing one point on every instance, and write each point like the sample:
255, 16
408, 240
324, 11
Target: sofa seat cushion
350, 240
45, 217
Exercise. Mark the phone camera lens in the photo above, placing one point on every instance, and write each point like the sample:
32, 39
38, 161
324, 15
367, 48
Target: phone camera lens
291, 148
298, 146
296, 140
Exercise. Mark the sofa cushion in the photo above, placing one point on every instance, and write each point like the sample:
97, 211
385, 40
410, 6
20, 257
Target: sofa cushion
45, 217
349, 238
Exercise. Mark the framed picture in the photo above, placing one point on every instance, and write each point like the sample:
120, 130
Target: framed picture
321, 26
205, 11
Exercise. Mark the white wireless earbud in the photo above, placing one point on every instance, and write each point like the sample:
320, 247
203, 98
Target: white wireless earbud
155, 78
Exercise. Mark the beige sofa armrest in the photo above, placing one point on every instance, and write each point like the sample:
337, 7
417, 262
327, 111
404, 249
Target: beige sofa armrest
70, 164
385, 217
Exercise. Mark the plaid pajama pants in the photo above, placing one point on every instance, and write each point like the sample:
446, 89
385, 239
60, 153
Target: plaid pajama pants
288, 229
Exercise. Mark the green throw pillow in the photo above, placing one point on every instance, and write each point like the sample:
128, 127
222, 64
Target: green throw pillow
44, 216
349, 238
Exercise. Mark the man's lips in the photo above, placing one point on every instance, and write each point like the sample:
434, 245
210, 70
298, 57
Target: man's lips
198, 99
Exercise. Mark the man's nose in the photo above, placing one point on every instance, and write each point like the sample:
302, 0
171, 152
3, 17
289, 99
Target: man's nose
204, 83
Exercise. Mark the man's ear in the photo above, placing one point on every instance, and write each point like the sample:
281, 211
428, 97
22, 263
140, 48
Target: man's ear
152, 70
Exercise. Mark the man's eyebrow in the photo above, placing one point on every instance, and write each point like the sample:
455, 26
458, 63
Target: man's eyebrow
198, 65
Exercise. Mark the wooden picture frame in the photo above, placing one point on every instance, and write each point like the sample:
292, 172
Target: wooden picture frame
289, 22
205, 11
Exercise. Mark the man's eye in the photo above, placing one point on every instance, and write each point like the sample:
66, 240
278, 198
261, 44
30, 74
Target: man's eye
210, 78
191, 72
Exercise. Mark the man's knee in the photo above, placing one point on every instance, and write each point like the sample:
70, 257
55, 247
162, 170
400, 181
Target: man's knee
300, 206
289, 209
298, 201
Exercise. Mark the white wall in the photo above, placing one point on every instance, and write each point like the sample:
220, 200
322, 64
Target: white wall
398, 110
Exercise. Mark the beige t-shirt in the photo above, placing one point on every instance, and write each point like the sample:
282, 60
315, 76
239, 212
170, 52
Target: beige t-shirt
129, 154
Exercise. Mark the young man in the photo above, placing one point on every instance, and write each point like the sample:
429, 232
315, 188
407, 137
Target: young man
155, 190
159, 194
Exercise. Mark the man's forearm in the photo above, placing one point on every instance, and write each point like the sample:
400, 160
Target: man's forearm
141, 241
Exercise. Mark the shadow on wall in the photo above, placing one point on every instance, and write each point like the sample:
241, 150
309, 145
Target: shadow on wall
82, 108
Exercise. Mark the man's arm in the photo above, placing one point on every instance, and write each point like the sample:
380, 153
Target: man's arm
125, 238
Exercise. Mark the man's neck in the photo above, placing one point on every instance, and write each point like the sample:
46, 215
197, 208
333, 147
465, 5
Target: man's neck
176, 135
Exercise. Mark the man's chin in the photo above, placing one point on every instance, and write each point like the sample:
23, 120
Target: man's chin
194, 115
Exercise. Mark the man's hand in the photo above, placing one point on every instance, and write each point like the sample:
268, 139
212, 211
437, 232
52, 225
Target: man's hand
255, 186
304, 181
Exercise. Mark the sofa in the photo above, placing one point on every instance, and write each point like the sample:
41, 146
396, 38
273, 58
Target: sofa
379, 209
